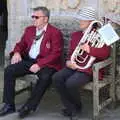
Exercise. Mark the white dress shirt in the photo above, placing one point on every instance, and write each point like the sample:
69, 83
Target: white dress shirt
35, 48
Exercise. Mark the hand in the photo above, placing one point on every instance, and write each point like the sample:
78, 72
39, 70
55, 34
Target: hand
16, 58
70, 65
34, 68
85, 47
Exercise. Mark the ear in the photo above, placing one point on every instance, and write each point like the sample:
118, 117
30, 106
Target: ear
46, 19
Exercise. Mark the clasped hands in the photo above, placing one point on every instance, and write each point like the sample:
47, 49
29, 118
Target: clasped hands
17, 58
71, 65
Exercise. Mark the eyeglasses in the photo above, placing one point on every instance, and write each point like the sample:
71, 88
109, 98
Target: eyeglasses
36, 17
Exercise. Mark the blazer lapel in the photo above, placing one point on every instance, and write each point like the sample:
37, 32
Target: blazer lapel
45, 38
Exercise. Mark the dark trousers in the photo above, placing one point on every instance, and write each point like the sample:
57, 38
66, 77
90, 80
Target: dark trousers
20, 69
68, 82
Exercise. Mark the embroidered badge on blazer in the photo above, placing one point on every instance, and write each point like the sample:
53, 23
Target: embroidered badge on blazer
48, 45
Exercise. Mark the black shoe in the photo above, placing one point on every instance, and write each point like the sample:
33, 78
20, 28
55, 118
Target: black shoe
66, 112
24, 111
69, 113
7, 109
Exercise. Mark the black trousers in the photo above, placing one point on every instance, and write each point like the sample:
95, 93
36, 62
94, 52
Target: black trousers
67, 83
20, 69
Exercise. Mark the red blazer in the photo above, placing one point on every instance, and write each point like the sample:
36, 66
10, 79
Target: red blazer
99, 53
50, 49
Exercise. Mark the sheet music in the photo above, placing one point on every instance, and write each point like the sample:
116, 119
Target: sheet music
108, 34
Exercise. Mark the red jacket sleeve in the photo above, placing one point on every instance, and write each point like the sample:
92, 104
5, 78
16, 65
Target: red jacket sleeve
21, 45
100, 53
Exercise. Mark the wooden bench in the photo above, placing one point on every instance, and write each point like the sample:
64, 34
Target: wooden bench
108, 83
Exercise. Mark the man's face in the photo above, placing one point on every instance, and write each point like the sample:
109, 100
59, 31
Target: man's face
39, 19
84, 24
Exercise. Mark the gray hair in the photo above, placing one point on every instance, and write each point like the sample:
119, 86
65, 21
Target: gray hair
45, 10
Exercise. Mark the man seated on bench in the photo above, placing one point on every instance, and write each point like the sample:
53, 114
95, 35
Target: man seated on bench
39, 52
68, 80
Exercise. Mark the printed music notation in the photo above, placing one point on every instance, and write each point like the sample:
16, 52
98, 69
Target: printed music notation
108, 34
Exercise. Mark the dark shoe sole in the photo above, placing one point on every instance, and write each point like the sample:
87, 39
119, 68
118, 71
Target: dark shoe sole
24, 114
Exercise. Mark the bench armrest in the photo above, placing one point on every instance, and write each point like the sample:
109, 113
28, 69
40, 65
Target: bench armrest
97, 66
102, 64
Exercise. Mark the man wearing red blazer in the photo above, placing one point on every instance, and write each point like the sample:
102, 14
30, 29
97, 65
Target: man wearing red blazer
38, 52
71, 77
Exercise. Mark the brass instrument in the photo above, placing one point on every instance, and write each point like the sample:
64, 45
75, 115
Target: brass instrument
80, 58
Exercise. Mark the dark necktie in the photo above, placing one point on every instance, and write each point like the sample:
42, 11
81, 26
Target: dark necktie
39, 36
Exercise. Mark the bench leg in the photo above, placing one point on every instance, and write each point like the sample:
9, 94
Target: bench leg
96, 103
96, 118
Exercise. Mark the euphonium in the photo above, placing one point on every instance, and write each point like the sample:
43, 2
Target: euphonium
80, 58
